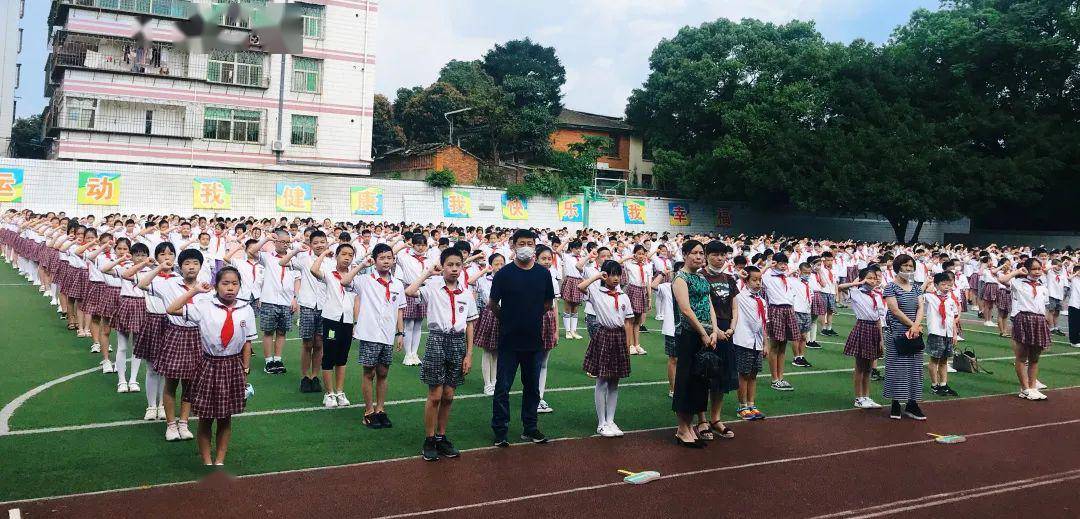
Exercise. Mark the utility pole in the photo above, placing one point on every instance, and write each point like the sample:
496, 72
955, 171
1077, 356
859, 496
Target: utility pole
447, 117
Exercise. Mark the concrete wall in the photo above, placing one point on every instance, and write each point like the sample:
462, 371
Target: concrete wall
52, 185
1035, 239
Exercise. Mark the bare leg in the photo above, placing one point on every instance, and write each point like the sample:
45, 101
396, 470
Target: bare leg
224, 434
444, 410
203, 439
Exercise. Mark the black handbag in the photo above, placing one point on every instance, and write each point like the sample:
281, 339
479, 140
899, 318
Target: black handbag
908, 347
706, 364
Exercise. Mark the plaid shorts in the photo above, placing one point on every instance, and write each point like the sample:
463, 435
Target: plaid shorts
830, 302
592, 324
310, 322
1053, 304
747, 361
938, 347
376, 354
274, 318
804, 321
670, 346
443, 355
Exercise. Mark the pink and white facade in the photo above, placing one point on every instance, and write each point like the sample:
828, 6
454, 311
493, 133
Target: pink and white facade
113, 100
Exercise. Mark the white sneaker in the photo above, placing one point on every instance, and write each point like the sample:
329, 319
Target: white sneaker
133, 387
1077, 345
1035, 394
870, 403
161, 412
329, 400
342, 401
95, 348
859, 403
578, 335
172, 433
1039, 385
671, 394
989, 324
185, 433
641, 351
600, 429
569, 336
543, 407
151, 414
960, 338
950, 369
107, 367
110, 348
606, 431
489, 391
615, 430
122, 388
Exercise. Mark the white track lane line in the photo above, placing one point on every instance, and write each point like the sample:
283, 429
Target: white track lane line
907, 505
9, 409
714, 470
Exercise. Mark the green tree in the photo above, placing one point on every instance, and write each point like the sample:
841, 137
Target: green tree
423, 112
530, 72
489, 126
385, 132
26, 141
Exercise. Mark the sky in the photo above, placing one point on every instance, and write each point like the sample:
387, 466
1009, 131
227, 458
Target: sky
603, 44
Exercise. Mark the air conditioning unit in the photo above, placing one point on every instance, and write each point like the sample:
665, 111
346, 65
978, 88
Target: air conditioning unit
487, 207
277, 146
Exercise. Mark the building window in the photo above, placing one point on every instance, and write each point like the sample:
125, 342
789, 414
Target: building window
244, 20
18, 74
235, 68
149, 129
80, 113
314, 17
170, 8
304, 130
20, 41
225, 124
613, 150
307, 73
22, 8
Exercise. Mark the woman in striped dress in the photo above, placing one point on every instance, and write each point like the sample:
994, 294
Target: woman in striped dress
903, 373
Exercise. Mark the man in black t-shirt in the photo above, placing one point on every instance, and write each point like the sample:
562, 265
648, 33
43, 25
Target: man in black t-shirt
521, 293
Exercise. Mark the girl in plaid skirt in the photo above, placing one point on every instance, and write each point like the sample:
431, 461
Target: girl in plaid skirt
1031, 333
1003, 300
608, 355
572, 263
549, 329
226, 328
865, 341
130, 316
638, 272
487, 328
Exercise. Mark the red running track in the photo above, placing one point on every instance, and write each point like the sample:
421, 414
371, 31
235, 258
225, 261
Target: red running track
1021, 457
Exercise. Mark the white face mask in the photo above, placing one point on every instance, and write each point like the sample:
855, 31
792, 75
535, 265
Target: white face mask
525, 254
907, 276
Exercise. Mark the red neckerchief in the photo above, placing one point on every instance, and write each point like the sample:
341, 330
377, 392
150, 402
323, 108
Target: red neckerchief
783, 279
166, 275
385, 284
227, 327
614, 296
186, 288
418, 257
252, 264
1034, 287
760, 307
873, 297
281, 279
641, 270
941, 308
341, 286
806, 284
453, 303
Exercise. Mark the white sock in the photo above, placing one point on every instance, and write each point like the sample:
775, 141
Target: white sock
277, 358
487, 368
121, 357
812, 336
600, 396
418, 332
612, 400
152, 396
268, 359
136, 363
573, 323
567, 327
543, 374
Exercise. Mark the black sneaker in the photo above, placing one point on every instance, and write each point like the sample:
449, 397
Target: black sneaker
948, 391
280, 367
269, 367
534, 436
316, 385
383, 420
801, 362
430, 452
445, 448
894, 412
642, 328
911, 410
813, 345
875, 374
501, 443
936, 390
305, 385
830, 333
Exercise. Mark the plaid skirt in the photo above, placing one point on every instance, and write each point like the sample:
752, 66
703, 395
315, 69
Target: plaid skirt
218, 390
486, 334
548, 336
1004, 303
180, 356
639, 298
1031, 330
92, 302
52, 261
973, 280
109, 302
782, 325
625, 279
864, 341
817, 304
80, 282
130, 315
607, 356
989, 292
149, 336
414, 308
852, 273
569, 290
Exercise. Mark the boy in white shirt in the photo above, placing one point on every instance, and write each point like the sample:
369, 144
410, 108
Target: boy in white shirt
803, 297
665, 313
311, 297
942, 318
1056, 280
1074, 307
749, 339
826, 277
277, 303
380, 325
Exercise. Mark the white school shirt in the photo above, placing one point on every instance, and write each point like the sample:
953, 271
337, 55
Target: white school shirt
251, 277
938, 323
378, 314
868, 306
827, 279
556, 269
1055, 284
801, 294
312, 292
169, 289
127, 287
639, 275
1074, 292
442, 315
110, 277
1028, 296
92, 266
661, 265
611, 311
483, 289
340, 299
778, 287
750, 330
409, 266
209, 314
277, 287
218, 246
961, 282
666, 307
589, 271
569, 265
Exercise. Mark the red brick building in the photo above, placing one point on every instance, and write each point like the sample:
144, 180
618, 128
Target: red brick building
625, 159
416, 162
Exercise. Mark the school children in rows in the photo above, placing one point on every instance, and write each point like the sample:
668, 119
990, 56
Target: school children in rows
1031, 335
817, 302
487, 326
942, 324
751, 322
412, 261
864, 344
596, 258
129, 319
178, 358
245, 260
151, 331
638, 271
802, 300
277, 301
572, 263
608, 355
549, 330
226, 327
779, 292
310, 298
1003, 298
662, 267
451, 314
380, 325
989, 289
337, 319
94, 294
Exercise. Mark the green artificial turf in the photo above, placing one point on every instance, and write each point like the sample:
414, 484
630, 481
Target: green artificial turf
38, 349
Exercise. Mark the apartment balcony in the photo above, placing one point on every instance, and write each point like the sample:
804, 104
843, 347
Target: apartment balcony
117, 117
169, 9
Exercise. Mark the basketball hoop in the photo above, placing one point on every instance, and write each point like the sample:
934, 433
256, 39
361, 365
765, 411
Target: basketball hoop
614, 200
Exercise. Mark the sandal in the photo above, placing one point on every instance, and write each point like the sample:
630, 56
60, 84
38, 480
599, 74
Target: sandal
71, 326
690, 445
372, 421
722, 431
706, 433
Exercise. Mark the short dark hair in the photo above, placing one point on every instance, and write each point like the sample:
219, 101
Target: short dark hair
900, 261
522, 234
228, 269
715, 247
189, 254
343, 246
448, 253
379, 249
316, 234
611, 268
942, 277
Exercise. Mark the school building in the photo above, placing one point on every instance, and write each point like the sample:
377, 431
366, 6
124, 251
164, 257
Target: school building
114, 99
11, 14
627, 158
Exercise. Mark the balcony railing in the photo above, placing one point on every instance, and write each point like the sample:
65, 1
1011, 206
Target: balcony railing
120, 55
180, 9
120, 117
